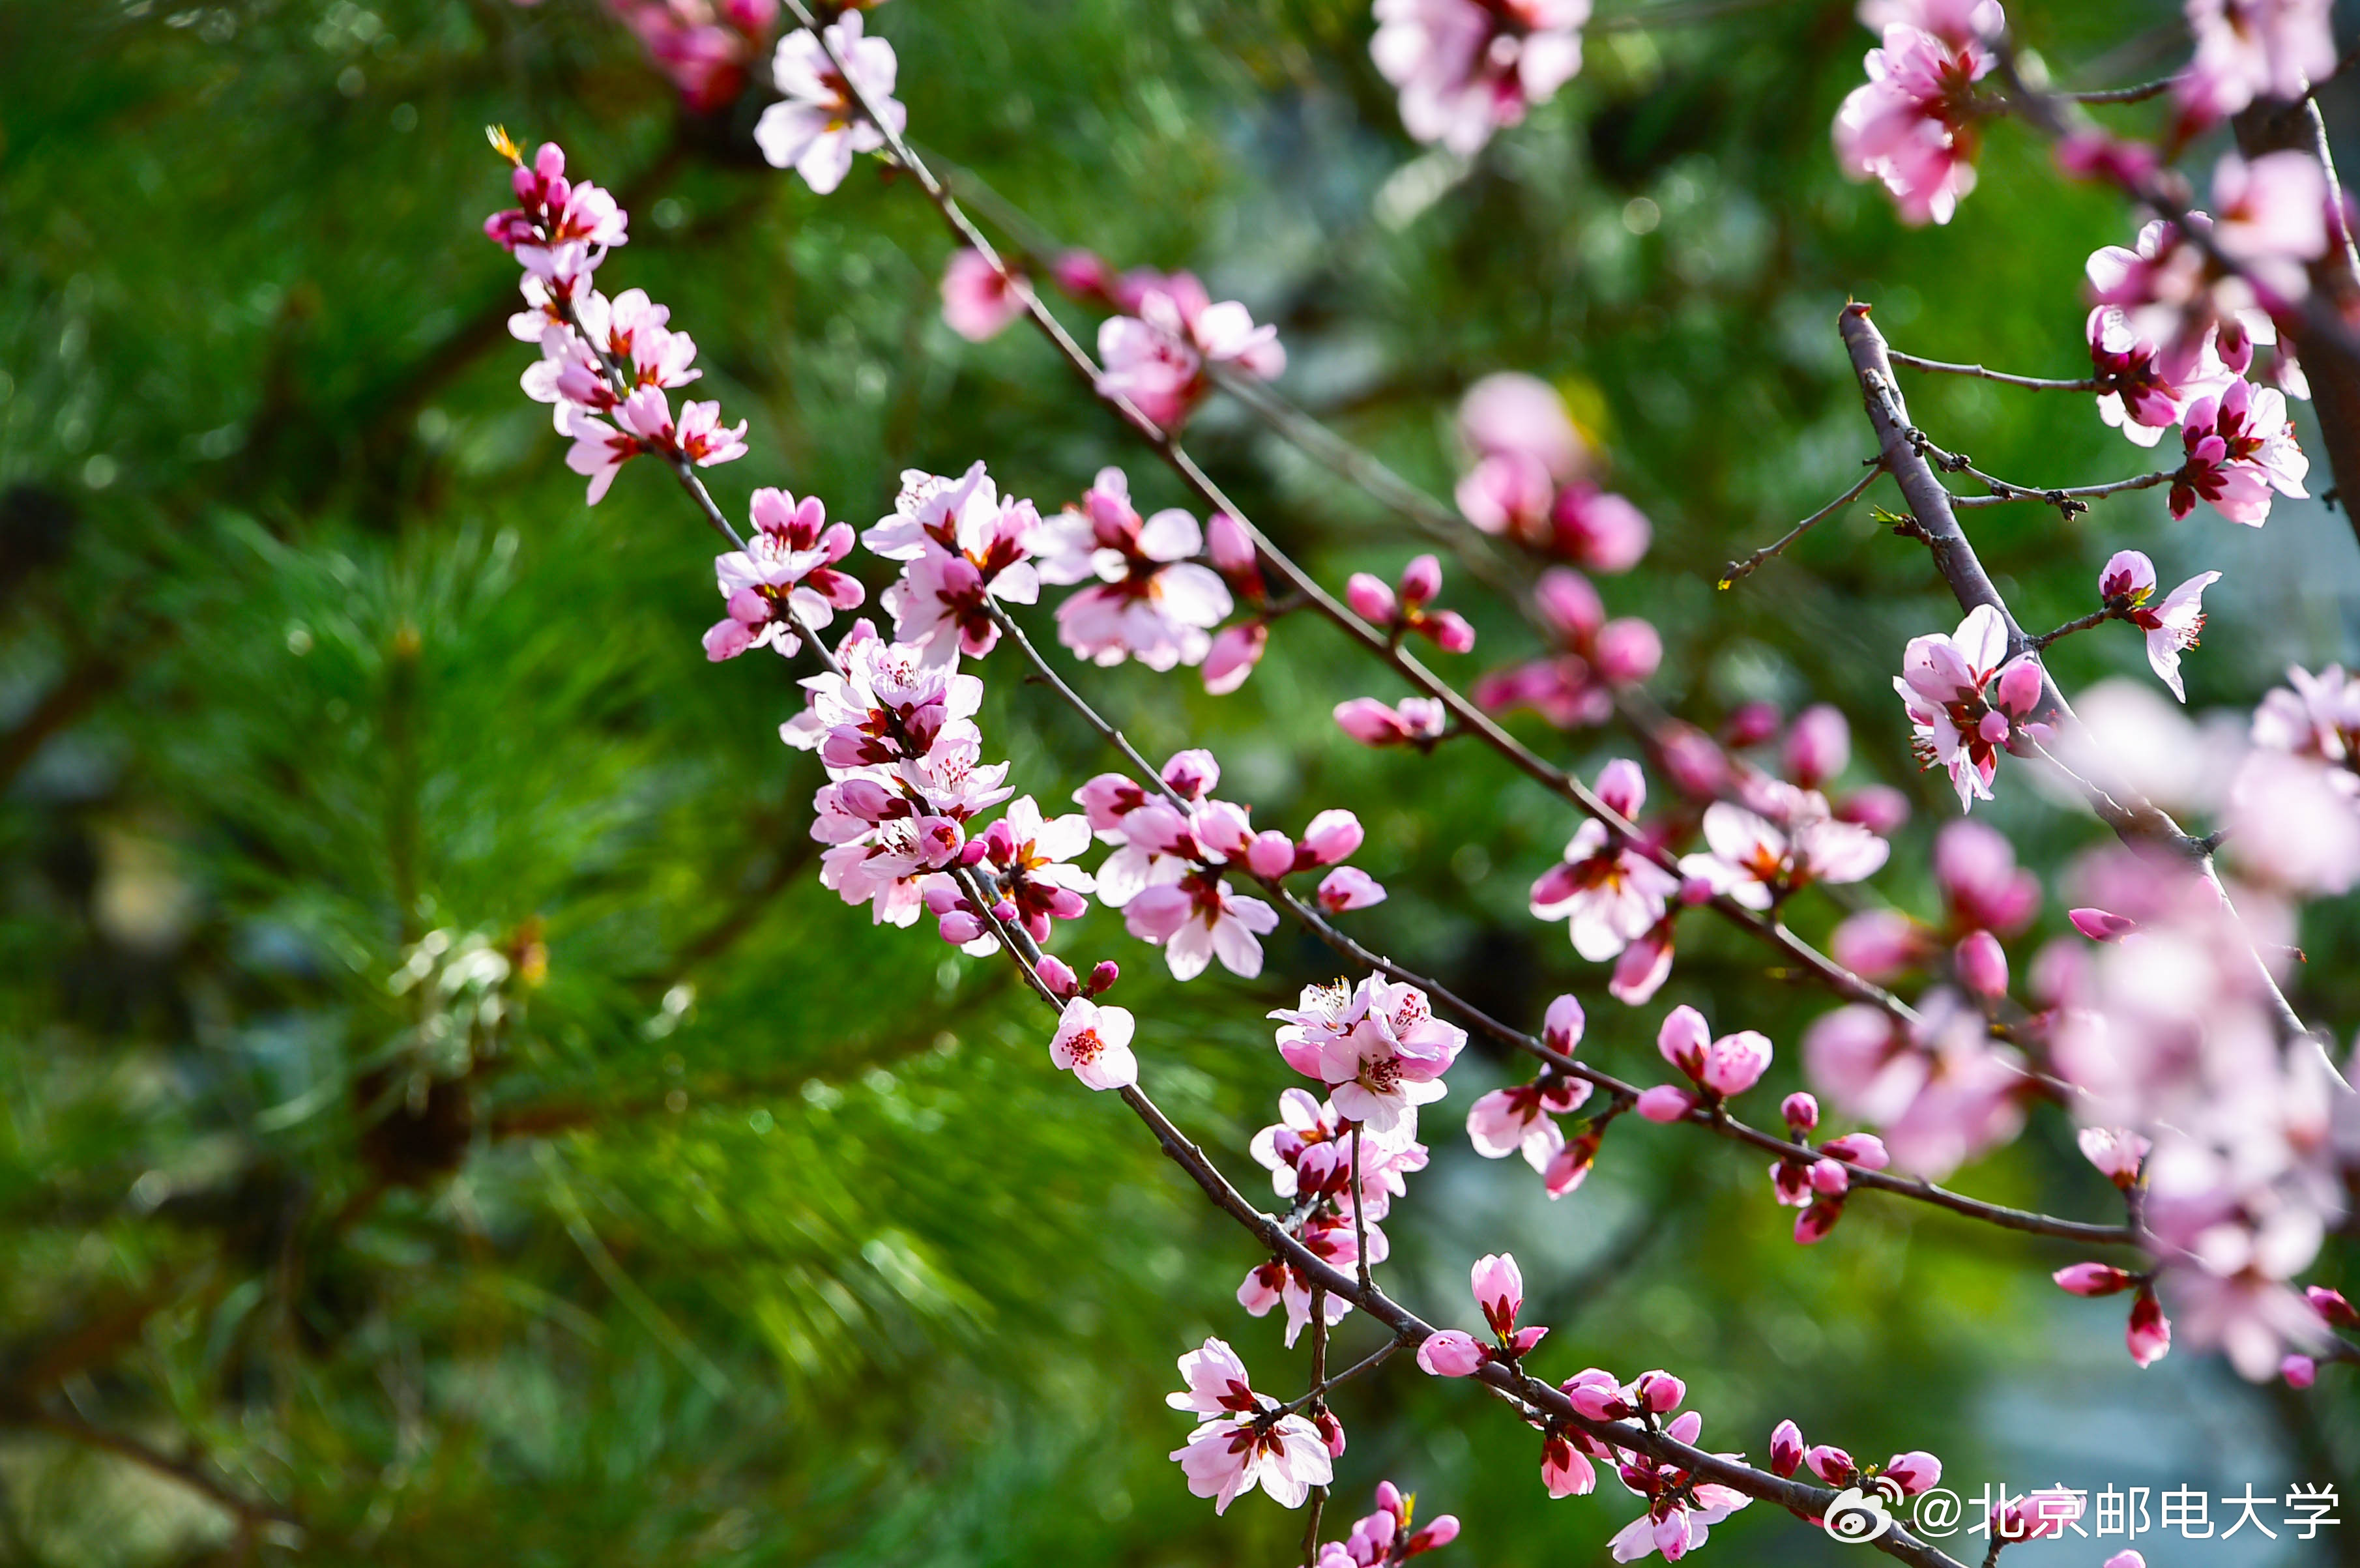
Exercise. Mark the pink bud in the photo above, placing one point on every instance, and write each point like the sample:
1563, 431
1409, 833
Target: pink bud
1004, 911
1350, 888
1831, 1465
1192, 772
1801, 1111
1692, 760
1736, 1063
1879, 808
1562, 1029
1369, 722
1421, 579
1628, 651
1450, 631
1828, 1179
2148, 1336
1333, 836
1660, 1391
1786, 1449
1865, 1150
1622, 787
1082, 273
1916, 1470
1597, 1401
1331, 1432
1223, 827
2298, 1371
1818, 746
1272, 853
1876, 943
1447, 1353
1993, 727
1057, 974
2092, 1280
1389, 1499
1751, 723
2127, 575
1371, 599
2019, 686
1813, 1225
1570, 604
972, 852
1665, 1104
2100, 925
1981, 965
2331, 1306
1683, 1037
1441, 1531
1599, 529
1236, 650
1227, 542
1103, 978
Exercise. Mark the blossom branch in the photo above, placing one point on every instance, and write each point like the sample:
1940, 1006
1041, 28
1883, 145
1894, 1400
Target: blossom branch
1580, 796
1750, 564
1624, 1094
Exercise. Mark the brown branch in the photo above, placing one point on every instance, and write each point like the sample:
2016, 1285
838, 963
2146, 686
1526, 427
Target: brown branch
2037, 383
1736, 570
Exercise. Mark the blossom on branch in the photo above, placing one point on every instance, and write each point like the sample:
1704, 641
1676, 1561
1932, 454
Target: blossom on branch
1914, 125
1467, 67
2170, 626
2253, 48
1152, 602
1093, 1044
818, 124
1966, 698
2241, 447
785, 573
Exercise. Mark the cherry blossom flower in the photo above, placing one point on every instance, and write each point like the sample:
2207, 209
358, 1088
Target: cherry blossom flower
1348, 887
2145, 402
703, 47
1378, 1046
1939, 1093
1729, 1065
1608, 893
559, 229
1152, 602
1384, 1537
1756, 864
1330, 1235
1681, 1509
888, 707
1284, 1455
1499, 1288
818, 124
1155, 357
1198, 919
1417, 721
980, 299
2240, 447
965, 546
2250, 48
1598, 529
1093, 1044
785, 573
600, 451
1216, 1384
1965, 699
1467, 67
1975, 867
1914, 125
2126, 584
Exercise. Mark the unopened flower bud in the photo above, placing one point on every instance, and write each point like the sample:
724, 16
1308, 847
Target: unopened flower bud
1272, 853
1103, 978
1786, 1449
1751, 723
1450, 631
1801, 1111
1981, 965
1818, 746
2092, 1280
1421, 579
2331, 1306
1828, 1179
1057, 974
1371, 599
1629, 651
1665, 1104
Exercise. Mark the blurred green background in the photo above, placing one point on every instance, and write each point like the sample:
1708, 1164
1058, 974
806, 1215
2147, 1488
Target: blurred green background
699, 1222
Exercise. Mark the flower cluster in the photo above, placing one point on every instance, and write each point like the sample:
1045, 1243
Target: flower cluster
1574, 683
1914, 125
1311, 1153
1151, 600
1529, 481
1157, 357
1523, 1119
2252, 49
1385, 1537
1376, 1045
599, 357
1246, 1440
705, 47
1968, 701
1467, 67
1716, 1069
1406, 611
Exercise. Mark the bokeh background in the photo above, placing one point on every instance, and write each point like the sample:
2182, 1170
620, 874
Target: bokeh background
442, 1108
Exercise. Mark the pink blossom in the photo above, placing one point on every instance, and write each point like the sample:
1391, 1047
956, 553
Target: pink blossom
1680, 1508
1466, 69
1628, 651
1786, 1449
2171, 625
1965, 699
785, 573
1980, 965
1608, 893
1155, 358
1914, 125
1094, 1044
2094, 1280
1818, 745
1152, 601
704, 49
1522, 1119
2250, 48
1199, 918
2143, 401
1449, 1353
1499, 1288
1285, 1457
818, 124
1664, 1104
1598, 529
2240, 447
1644, 965
1508, 413
1565, 1471
1234, 653
1975, 867
1334, 835
2300, 1371
1877, 944
1756, 864
1417, 721
979, 298
2115, 1151
1918, 1471
966, 547
1216, 1384
600, 451
1348, 887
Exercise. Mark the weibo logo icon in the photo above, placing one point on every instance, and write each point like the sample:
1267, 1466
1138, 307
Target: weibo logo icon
1857, 1515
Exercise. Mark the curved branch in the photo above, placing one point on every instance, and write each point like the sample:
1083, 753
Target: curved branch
2037, 383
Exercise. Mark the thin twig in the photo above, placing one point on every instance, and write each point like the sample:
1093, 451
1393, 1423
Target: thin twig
2094, 618
1747, 568
2035, 383
2138, 95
